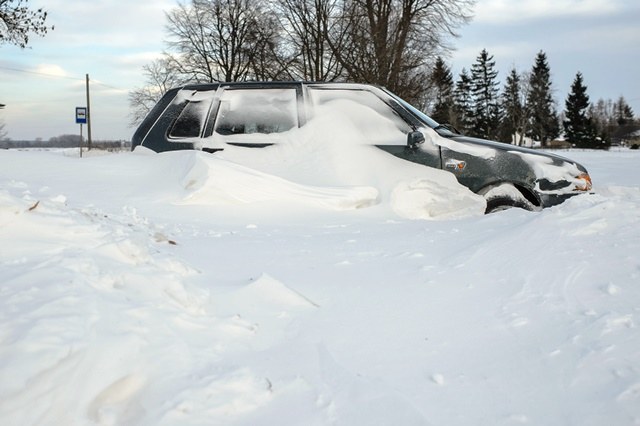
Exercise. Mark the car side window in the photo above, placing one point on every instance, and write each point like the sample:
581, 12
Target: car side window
375, 120
265, 111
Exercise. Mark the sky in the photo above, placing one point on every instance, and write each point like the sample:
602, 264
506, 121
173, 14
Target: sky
111, 40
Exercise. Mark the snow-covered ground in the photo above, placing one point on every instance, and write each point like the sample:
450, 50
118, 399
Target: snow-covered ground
183, 289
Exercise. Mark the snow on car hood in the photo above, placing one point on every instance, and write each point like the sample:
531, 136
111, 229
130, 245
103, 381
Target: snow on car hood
465, 145
553, 168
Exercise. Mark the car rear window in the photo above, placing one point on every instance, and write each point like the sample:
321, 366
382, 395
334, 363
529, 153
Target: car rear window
194, 106
190, 121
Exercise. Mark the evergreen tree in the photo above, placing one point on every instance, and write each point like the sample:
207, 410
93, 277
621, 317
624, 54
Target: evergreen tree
442, 82
514, 107
578, 127
543, 125
486, 101
463, 103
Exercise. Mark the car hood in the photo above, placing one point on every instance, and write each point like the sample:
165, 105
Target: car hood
504, 147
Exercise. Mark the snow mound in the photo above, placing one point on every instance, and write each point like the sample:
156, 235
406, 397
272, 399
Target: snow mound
326, 164
90, 289
329, 154
211, 181
118, 307
427, 199
259, 314
266, 291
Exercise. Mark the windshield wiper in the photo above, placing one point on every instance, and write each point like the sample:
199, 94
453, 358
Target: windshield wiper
448, 127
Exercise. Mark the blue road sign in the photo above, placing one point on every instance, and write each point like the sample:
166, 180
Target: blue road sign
81, 115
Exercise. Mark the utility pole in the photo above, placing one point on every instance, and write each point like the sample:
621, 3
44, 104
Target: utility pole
88, 118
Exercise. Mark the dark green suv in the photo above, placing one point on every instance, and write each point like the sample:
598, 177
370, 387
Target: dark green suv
210, 117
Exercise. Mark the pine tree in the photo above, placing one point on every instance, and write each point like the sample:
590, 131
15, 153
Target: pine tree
486, 101
463, 103
578, 127
442, 83
543, 125
513, 105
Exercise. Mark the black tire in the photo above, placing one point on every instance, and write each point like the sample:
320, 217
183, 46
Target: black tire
506, 196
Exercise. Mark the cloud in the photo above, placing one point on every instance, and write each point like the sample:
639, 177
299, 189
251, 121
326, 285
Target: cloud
50, 70
510, 11
607, 38
138, 59
114, 24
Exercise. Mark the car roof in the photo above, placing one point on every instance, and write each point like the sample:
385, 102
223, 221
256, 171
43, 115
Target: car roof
269, 84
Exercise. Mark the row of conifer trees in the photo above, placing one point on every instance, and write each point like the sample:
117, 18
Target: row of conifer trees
525, 107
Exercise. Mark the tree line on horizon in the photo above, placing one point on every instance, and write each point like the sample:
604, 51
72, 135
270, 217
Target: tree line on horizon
64, 141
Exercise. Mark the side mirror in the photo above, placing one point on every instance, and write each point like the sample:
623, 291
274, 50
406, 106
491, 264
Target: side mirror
414, 139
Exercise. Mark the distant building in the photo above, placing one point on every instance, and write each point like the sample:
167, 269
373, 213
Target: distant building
626, 135
523, 140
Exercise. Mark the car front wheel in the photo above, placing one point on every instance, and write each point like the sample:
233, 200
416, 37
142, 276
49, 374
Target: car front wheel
505, 196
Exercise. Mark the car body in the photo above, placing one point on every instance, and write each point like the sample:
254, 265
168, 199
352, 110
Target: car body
255, 114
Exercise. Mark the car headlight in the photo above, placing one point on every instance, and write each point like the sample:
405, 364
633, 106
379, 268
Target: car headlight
583, 182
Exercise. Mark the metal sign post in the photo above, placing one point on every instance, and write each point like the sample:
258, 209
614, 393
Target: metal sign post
88, 116
81, 118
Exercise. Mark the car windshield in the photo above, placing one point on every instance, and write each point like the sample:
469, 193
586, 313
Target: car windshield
442, 129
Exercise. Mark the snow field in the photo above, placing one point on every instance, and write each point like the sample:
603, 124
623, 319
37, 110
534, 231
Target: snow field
138, 289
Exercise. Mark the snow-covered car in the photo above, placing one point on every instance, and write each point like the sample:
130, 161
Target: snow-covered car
213, 116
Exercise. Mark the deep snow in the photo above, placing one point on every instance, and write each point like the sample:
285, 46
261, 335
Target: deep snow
138, 289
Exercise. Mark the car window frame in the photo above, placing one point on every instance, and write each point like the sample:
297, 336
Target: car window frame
386, 97
215, 107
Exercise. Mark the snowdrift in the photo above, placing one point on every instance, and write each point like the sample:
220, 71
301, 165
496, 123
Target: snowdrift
125, 302
327, 164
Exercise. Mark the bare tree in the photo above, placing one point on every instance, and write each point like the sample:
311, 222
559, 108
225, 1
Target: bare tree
161, 76
219, 40
3, 132
269, 59
17, 21
515, 122
211, 40
523, 121
308, 24
386, 42
393, 42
